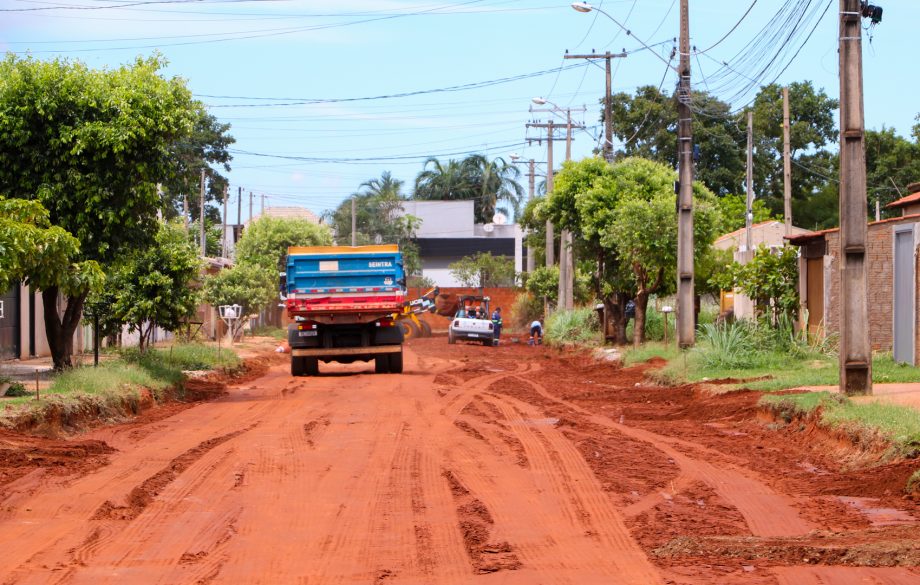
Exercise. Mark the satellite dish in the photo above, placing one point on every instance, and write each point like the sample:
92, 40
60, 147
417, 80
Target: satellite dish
488, 228
499, 219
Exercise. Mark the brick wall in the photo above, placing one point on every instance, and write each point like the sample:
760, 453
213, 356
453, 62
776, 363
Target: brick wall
880, 264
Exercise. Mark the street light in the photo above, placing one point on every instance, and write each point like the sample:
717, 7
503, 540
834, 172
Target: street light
584, 7
540, 101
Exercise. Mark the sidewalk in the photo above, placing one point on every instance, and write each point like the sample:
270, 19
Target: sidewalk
24, 370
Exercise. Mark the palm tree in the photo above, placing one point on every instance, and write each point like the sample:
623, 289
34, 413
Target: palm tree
385, 186
475, 177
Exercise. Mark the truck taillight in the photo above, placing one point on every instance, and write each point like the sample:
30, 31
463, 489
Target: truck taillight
491, 327
306, 325
385, 322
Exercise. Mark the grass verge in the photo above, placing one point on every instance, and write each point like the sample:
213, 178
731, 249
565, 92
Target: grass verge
897, 425
116, 387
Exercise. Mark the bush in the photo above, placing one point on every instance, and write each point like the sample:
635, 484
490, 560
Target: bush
16, 389
577, 326
525, 310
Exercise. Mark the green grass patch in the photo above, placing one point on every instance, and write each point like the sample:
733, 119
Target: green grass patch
107, 387
578, 326
899, 425
647, 351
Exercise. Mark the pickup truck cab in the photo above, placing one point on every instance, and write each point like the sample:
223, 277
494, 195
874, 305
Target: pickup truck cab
472, 322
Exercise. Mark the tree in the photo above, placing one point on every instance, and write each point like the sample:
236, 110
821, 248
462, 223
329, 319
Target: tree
771, 279
204, 148
152, 287
646, 123
90, 145
266, 240
812, 128
379, 218
484, 270
486, 182
733, 209
644, 229
251, 286
892, 163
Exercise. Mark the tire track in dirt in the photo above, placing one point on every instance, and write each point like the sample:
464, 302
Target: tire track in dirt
845, 576
766, 512
575, 485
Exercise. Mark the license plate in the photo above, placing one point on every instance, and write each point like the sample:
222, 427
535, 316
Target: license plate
472, 335
306, 334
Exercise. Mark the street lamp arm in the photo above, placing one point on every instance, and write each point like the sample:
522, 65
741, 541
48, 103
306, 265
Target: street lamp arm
585, 7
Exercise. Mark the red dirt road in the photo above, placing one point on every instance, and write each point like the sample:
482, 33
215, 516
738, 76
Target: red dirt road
505, 465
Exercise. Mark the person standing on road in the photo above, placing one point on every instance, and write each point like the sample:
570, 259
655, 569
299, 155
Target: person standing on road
497, 324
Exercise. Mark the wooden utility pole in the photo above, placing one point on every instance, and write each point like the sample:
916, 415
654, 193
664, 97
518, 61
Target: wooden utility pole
223, 233
608, 98
749, 208
787, 166
686, 311
855, 348
204, 241
354, 223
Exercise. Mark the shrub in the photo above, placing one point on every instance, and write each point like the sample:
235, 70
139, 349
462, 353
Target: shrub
525, 310
576, 326
16, 389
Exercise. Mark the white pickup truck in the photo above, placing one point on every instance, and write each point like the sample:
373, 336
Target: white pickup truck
472, 322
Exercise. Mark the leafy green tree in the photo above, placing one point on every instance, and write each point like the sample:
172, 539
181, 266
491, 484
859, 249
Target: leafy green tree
770, 279
733, 208
252, 286
644, 229
152, 286
892, 163
206, 147
543, 283
646, 124
484, 270
267, 239
90, 145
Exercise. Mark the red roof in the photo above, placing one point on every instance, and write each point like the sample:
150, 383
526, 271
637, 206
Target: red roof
904, 201
803, 238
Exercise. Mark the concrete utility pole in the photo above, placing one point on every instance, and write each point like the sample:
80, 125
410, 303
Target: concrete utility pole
354, 224
239, 210
204, 241
262, 210
855, 348
185, 211
223, 233
749, 208
550, 236
250, 207
608, 98
531, 187
787, 166
686, 313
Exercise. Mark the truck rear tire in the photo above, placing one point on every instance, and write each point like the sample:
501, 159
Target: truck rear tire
382, 364
311, 366
396, 363
298, 365
426, 329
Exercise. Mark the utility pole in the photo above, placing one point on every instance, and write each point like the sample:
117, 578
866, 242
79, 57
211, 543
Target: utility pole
686, 313
223, 233
354, 223
250, 207
749, 208
787, 165
608, 98
855, 348
239, 216
262, 210
550, 173
204, 241
531, 187
185, 211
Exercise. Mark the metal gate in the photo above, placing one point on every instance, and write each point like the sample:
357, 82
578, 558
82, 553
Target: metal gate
9, 324
904, 279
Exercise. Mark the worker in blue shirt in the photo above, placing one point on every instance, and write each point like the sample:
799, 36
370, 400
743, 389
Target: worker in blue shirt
497, 324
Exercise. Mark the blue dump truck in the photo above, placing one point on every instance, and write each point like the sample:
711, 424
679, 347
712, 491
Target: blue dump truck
344, 303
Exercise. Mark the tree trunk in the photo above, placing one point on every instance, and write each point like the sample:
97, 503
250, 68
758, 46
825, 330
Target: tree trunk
639, 323
615, 309
59, 330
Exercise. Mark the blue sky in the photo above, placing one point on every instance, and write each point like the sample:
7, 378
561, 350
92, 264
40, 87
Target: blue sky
263, 65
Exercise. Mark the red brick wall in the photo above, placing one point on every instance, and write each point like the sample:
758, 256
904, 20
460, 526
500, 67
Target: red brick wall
880, 261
